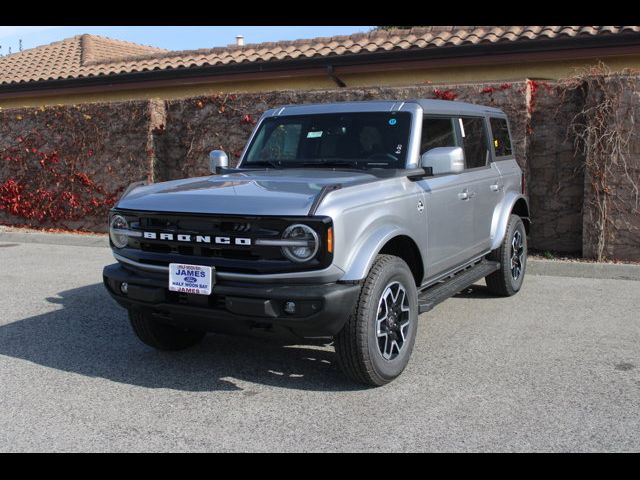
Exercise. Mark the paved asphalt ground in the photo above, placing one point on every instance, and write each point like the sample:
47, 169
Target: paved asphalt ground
555, 368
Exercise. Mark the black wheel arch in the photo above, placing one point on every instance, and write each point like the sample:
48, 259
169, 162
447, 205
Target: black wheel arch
404, 247
521, 208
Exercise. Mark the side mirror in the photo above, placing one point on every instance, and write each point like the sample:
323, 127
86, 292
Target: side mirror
443, 160
217, 161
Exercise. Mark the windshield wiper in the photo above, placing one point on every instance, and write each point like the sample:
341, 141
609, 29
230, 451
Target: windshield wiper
265, 163
333, 163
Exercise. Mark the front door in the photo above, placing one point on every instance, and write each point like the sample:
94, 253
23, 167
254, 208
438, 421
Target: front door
448, 206
449, 221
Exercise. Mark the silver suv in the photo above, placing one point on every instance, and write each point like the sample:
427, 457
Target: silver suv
343, 220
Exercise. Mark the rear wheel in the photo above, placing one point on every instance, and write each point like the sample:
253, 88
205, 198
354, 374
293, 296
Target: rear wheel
160, 335
512, 255
376, 343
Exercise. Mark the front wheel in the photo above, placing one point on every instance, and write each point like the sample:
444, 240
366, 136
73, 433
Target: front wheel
512, 255
375, 344
160, 335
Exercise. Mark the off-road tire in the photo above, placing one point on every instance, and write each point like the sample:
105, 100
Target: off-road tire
160, 335
502, 281
357, 344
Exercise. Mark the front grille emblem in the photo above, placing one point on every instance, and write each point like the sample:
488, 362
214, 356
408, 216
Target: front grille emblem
188, 238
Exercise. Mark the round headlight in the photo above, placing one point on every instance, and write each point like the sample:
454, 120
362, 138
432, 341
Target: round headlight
304, 243
116, 227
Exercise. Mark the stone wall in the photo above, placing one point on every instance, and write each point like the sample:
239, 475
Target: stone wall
555, 178
63, 167
611, 191
116, 144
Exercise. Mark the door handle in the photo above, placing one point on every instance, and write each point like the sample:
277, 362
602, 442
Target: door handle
466, 194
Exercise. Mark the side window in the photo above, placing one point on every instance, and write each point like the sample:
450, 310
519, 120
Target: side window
501, 140
437, 132
474, 142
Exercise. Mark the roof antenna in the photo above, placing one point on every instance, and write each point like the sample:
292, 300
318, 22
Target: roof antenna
20, 44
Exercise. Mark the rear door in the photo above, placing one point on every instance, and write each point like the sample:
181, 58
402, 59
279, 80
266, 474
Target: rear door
485, 187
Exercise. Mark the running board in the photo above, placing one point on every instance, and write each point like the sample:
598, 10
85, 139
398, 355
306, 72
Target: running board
429, 298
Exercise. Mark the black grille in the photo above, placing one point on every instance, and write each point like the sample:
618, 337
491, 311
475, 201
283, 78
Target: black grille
225, 257
247, 253
155, 247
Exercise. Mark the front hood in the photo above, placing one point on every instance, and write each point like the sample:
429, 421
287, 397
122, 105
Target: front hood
269, 192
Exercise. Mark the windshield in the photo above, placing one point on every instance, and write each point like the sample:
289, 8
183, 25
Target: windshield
347, 140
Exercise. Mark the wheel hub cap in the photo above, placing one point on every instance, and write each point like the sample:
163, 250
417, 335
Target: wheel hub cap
392, 323
517, 255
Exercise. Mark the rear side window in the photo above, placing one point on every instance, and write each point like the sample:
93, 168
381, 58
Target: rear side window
437, 132
474, 139
501, 140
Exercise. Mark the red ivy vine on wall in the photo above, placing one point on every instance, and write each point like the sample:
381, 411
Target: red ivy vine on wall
46, 187
248, 119
444, 94
490, 90
534, 86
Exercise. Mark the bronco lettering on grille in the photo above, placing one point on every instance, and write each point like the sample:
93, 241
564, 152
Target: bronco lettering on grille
180, 237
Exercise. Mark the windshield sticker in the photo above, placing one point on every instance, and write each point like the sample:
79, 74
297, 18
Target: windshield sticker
317, 134
392, 121
399, 149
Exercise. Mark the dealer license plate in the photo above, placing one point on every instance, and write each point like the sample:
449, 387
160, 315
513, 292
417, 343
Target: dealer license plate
196, 279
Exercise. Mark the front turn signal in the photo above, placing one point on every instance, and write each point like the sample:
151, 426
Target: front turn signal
330, 240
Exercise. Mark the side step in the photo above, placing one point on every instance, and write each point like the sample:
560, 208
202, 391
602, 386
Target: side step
429, 298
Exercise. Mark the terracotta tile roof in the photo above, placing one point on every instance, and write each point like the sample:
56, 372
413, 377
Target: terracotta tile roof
73, 57
89, 55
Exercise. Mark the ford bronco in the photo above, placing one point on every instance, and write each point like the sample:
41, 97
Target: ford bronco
343, 220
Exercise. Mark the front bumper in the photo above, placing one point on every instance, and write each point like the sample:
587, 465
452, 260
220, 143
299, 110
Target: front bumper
233, 307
